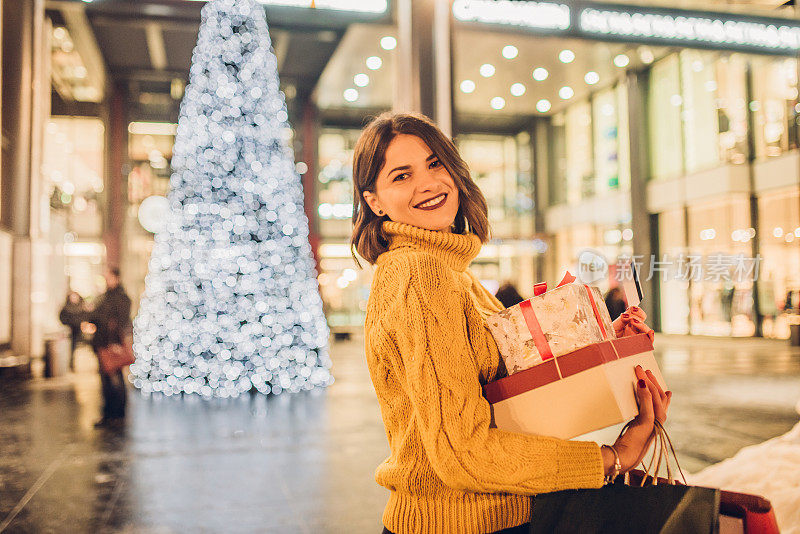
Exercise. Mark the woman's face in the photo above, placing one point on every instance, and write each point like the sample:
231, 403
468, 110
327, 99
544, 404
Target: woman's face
413, 187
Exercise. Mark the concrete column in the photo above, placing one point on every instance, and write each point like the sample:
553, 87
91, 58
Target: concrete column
116, 194
423, 70
640, 218
25, 96
310, 133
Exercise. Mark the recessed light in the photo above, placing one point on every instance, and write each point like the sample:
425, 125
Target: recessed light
543, 105
467, 86
646, 55
361, 79
517, 89
374, 62
510, 51
621, 60
566, 92
351, 95
676, 100
591, 77
498, 102
388, 42
566, 56
487, 70
540, 74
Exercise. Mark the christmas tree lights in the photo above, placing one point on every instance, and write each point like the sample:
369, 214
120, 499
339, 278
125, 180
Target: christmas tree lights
231, 301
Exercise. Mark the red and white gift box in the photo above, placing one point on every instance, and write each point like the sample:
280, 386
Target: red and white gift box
574, 393
552, 323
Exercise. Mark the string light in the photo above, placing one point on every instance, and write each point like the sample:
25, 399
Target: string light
232, 300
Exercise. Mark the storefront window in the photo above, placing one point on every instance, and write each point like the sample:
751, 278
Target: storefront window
335, 182
579, 168
779, 244
721, 299
731, 107
674, 288
775, 105
557, 182
492, 160
699, 110
664, 118
150, 152
609, 164
72, 169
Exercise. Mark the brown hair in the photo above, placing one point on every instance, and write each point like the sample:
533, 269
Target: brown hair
369, 157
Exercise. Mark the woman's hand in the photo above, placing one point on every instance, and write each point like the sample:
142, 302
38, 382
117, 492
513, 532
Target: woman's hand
631, 323
634, 443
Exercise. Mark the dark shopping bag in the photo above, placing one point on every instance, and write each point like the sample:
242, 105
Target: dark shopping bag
639, 502
622, 509
115, 357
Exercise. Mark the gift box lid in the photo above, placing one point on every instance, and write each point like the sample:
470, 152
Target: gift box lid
566, 365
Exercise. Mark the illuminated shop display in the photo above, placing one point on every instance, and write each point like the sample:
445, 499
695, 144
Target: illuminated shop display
231, 300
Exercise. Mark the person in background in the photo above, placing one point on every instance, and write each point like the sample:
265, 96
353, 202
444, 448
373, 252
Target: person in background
508, 295
72, 315
615, 302
112, 318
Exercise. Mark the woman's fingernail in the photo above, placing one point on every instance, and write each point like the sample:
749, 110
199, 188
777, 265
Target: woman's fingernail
641, 383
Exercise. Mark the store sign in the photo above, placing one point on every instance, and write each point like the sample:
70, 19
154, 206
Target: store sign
542, 15
688, 29
669, 27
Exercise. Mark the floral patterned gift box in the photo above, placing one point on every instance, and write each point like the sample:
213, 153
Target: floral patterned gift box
550, 324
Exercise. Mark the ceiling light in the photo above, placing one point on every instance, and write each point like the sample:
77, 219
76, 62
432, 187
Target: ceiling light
711, 86
487, 70
351, 95
646, 55
374, 62
676, 100
388, 42
566, 56
517, 89
540, 74
566, 92
498, 102
621, 60
467, 86
510, 51
361, 79
543, 106
591, 77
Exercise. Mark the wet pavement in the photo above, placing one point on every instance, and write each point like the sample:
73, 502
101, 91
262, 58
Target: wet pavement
305, 462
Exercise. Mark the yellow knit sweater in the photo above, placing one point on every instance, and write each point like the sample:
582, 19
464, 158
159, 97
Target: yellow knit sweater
429, 352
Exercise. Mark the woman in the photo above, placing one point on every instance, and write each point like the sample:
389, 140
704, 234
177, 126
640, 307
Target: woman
421, 219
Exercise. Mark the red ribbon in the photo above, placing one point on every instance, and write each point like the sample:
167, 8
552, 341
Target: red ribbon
536, 330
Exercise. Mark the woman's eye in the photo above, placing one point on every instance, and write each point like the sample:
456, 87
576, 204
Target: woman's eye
435, 163
401, 176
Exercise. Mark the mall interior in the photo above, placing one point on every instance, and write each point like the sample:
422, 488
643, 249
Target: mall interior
663, 132
623, 143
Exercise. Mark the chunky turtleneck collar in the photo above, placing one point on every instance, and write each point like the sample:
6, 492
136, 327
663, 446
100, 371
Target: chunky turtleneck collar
456, 250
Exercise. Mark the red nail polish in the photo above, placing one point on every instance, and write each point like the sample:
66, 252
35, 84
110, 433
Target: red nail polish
642, 384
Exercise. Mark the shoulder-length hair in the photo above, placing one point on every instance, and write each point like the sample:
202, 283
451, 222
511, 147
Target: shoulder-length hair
368, 238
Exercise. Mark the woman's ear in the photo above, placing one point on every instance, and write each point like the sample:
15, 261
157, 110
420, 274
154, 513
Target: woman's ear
374, 205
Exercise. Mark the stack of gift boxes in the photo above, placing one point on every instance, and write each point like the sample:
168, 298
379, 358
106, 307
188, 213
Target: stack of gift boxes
567, 372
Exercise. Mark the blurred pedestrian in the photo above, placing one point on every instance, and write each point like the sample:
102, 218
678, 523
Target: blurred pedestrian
72, 314
615, 302
508, 295
111, 316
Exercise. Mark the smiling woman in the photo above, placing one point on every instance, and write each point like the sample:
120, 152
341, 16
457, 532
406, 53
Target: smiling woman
402, 167
421, 219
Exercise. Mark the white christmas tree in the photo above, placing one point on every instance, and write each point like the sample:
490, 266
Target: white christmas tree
231, 300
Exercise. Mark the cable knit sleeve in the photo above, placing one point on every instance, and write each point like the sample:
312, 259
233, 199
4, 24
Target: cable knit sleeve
437, 365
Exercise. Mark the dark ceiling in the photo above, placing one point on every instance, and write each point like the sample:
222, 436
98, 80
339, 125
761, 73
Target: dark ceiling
126, 31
